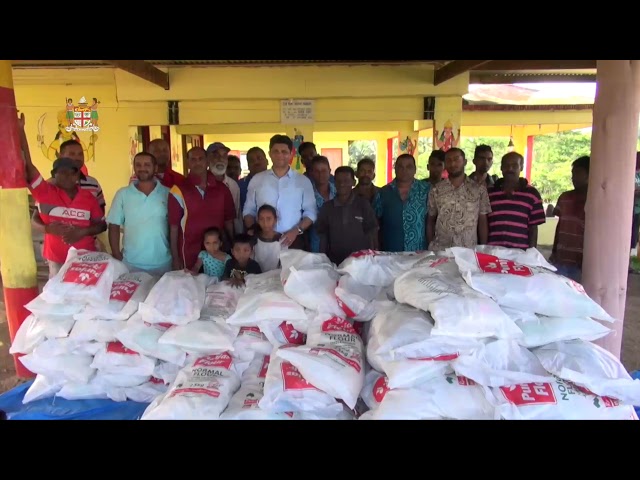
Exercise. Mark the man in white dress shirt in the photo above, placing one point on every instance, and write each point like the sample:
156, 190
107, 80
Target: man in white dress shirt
289, 192
217, 154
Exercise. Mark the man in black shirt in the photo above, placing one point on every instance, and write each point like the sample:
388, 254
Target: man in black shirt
241, 265
346, 224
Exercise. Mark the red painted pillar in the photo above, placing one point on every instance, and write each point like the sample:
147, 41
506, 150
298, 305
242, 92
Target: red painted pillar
529, 159
17, 258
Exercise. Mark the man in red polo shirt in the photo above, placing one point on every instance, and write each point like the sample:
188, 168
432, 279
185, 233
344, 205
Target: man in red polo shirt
72, 214
195, 205
168, 177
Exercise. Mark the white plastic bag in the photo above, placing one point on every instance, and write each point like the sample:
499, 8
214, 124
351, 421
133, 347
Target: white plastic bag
528, 288
40, 308
34, 330
443, 397
358, 301
147, 392
559, 329
201, 338
557, 399
84, 279
435, 285
61, 368
244, 403
282, 334
264, 300
379, 269
201, 391
374, 389
332, 360
250, 341
177, 298
117, 359
591, 367
143, 338
42, 387
127, 292
286, 390
501, 363
97, 330
221, 300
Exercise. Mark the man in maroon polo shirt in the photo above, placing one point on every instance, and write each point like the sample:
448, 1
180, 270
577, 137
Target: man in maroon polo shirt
72, 214
195, 205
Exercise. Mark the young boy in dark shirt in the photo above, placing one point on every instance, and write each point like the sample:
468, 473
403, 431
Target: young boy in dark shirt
241, 265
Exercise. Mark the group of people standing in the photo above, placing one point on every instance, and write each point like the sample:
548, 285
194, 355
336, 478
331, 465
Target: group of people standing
214, 222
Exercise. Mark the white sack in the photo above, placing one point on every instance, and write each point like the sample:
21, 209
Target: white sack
379, 269
177, 298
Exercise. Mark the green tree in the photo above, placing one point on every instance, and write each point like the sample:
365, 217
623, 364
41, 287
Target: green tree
359, 149
552, 158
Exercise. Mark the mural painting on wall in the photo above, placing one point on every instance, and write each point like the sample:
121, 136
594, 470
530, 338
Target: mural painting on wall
74, 119
446, 140
296, 159
408, 146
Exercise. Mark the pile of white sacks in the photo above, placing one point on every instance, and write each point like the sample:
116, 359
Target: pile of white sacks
490, 333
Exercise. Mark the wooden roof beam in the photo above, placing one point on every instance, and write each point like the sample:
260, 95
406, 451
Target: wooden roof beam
537, 65
144, 70
455, 68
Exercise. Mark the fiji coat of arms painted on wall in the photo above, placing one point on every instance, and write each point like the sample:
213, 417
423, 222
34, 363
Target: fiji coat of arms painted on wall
82, 117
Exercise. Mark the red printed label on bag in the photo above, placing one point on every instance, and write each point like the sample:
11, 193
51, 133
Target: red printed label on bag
337, 324
438, 262
440, 358
117, 347
87, 274
293, 379
493, 264
364, 253
253, 332
380, 389
353, 362
265, 366
156, 381
345, 308
291, 335
530, 394
123, 291
223, 360
466, 382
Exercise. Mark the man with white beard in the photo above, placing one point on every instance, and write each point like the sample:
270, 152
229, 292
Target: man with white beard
217, 155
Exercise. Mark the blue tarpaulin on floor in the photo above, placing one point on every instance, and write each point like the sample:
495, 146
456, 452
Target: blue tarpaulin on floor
57, 408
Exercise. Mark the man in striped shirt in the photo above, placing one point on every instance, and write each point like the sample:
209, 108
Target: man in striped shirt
516, 207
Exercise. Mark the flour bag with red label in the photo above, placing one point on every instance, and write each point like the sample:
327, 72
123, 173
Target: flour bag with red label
97, 330
84, 279
358, 301
557, 399
201, 338
244, 403
116, 359
286, 390
201, 391
523, 287
127, 292
264, 300
310, 279
374, 389
250, 342
221, 300
499, 363
435, 285
332, 360
443, 397
592, 367
282, 333
379, 269
177, 298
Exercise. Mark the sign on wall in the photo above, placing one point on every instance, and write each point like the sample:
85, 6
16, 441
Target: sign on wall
82, 117
297, 112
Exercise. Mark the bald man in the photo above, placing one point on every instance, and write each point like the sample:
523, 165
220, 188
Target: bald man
168, 177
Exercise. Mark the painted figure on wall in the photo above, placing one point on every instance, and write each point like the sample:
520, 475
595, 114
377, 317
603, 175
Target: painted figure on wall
94, 111
296, 159
446, 140
408, 146
51, 150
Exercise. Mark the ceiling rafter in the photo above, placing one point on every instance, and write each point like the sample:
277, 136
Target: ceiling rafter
144, 70
455, 68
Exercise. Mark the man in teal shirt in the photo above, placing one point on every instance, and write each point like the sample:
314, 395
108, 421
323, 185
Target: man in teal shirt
141, 209
401, 208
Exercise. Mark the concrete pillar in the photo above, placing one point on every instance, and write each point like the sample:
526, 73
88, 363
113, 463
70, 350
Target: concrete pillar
611, 184
299, 134
448, 120
17, 258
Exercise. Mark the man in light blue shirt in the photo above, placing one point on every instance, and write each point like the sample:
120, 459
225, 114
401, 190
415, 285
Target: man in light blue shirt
141, 208
289, 192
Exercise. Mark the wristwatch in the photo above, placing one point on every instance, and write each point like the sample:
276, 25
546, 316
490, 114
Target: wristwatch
300, 231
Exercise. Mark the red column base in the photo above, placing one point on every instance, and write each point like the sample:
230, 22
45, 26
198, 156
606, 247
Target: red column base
15, 299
